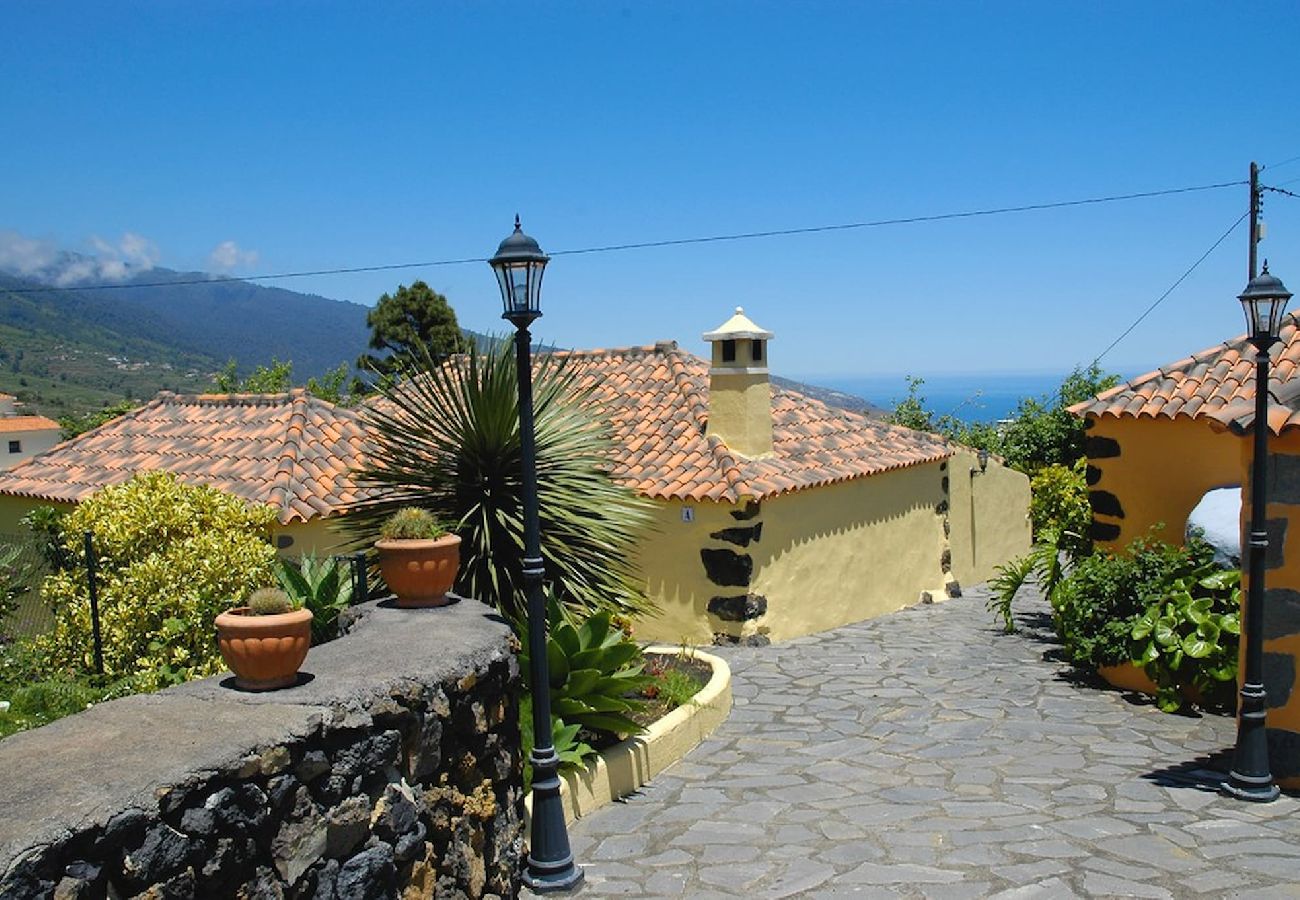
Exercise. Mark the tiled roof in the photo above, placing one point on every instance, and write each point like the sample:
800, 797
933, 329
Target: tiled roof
656, 400
1216, 384
291, 451
26, 423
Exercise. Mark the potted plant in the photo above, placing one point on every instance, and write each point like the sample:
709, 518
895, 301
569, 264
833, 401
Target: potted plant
265, 641
418, 558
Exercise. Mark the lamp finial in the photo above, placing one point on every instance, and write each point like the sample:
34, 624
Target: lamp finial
517, 228
1265, 271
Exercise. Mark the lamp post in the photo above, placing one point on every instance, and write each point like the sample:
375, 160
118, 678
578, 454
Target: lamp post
1263, 301
519, 263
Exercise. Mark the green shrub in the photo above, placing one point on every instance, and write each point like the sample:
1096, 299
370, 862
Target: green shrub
323, 586
170, 558
1187, 639
46, 525
1097, 605
410, 523
1059, 500
13, 580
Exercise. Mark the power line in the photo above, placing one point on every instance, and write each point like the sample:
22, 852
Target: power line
1284, 162
1181, 278
643, 245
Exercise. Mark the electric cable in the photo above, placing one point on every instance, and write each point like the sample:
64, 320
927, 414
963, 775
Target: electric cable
1181, 278
642, 245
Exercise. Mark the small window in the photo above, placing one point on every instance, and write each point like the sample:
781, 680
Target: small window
757, 351
15, 446
728, 351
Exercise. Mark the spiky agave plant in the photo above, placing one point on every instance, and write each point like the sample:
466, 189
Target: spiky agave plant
445, 436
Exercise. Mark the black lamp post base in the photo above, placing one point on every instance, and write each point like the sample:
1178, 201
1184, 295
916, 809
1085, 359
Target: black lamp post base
550, 879
1257, 789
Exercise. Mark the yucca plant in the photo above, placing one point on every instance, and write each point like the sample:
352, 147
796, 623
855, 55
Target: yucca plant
446, 438
596, 670
323, 585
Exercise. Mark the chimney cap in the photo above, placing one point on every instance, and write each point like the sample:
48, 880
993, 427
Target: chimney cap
738, 326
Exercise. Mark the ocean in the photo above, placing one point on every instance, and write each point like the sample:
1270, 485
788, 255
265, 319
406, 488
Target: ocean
974, 397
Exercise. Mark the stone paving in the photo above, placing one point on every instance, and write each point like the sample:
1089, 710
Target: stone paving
925, 754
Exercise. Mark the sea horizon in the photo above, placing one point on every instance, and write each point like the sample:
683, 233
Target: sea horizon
972, 396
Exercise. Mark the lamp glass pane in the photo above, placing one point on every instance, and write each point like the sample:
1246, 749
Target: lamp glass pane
519, 286
504, 284
1276, 311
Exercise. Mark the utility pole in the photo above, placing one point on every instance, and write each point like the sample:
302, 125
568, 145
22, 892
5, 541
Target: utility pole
1254, 218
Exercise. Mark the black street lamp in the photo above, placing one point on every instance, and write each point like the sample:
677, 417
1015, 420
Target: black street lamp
519, 263
1263, 301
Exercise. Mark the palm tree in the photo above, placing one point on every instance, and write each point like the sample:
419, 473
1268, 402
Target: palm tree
445, 436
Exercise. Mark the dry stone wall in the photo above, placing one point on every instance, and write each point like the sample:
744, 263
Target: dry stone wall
392, 770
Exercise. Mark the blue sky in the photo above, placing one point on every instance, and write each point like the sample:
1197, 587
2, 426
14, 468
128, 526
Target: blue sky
296, 136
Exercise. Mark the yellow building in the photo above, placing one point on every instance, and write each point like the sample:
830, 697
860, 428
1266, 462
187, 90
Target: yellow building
1159, 442
291, 451
777, 515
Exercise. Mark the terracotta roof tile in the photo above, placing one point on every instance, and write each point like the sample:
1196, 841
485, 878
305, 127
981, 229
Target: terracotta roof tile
292, 451
9, 424
1217, 384
656, 401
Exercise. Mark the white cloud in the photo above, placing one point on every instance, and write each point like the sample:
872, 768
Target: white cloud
109, 261
228, 256
25, 255
131, 254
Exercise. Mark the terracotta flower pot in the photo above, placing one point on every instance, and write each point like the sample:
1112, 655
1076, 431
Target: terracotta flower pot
264, 652
1128, 677
420, 572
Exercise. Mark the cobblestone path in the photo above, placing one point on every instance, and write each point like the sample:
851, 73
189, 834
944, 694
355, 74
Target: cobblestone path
925, 754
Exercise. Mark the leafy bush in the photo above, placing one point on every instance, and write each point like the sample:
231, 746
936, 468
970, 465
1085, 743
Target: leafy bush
1187, 639
446, 438
46, 525
1059, 501
323, 586
13, 580
1097, 605
1043, 432
170, 558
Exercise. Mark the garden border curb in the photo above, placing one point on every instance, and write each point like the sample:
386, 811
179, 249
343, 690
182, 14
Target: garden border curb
628, 765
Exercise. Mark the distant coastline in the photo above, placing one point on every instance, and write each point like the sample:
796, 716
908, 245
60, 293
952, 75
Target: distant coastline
974, 397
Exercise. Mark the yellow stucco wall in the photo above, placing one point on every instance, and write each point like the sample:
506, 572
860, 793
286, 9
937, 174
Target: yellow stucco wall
851, 551
1163, 469
1282, 603
669, 559
989, 517
740, 411
14, 508
825, 557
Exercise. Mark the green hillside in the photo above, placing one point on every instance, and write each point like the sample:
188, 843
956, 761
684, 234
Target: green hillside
63, 354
